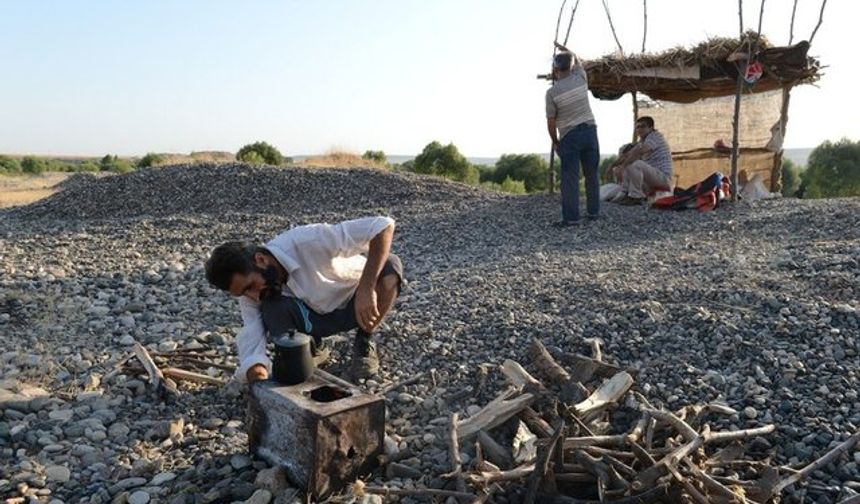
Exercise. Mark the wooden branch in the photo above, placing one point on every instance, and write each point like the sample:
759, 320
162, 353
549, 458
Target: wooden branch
713, 484
156, 379
655, 494
649, 476
542, 464
582, 442
497, 412
402, 383
454, 456
547, 364
537, 424
596, 352
494, 452
607, 394
116, 367
486, 478
692, 491
817, 464
719, 437
386, 491
679, 425
791, 28
181, 374
518, 376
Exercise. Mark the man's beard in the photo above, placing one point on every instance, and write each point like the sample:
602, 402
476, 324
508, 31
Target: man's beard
272, 290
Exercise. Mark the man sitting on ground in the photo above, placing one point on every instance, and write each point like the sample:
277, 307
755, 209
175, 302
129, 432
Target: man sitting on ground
312, 279
645, 168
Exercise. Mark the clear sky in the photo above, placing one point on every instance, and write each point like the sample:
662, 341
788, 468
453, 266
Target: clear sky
93, 77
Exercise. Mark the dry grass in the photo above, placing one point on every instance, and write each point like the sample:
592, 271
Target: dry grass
24, 189
340, 159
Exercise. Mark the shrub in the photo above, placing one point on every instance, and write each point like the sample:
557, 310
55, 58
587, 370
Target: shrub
833, 170
115, 164
9, 165
150, 159
446, 161
531, 169
33, 165
790, 178
265, 153
508, 185
88, 166
377, 156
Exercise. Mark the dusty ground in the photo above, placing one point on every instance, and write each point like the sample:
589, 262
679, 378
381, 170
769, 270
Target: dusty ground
24, 189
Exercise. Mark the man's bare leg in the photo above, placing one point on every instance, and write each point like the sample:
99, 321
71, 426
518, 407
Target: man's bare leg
365, 360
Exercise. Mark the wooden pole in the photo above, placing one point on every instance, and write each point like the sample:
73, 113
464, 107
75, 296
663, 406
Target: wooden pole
760, 16
791, 28
820, 19
737, 113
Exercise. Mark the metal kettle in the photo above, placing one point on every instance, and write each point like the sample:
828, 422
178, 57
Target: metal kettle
293, 362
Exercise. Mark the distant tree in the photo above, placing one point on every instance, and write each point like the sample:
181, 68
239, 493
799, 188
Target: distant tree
377, 156
833, 170
510, 185
88, 166
33, 165
9, 165
150, 159
531, 169
790, 177
114, 164
446, 161
265, 153
486, 173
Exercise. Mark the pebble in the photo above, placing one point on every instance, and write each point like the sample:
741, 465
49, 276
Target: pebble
138, 497
58, 473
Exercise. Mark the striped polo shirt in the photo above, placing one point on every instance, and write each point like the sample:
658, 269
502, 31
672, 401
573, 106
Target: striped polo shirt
660, 156
567, 101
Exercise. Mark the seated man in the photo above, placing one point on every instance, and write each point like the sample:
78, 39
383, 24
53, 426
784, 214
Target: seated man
646, 167
313, 279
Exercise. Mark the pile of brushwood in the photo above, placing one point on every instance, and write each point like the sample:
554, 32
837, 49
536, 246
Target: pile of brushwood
585, 433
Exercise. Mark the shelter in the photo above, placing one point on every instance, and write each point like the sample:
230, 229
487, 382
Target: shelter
691, 95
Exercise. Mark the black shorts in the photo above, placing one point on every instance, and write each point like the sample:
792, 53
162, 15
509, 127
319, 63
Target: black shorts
287, 313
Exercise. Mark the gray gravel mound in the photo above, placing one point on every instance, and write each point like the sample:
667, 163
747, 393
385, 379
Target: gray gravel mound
222, 188
756, 305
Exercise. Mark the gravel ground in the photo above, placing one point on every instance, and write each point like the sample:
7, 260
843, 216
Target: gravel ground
754, 304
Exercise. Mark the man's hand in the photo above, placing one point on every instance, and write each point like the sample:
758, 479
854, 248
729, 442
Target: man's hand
555, 145
257, 372
366, 311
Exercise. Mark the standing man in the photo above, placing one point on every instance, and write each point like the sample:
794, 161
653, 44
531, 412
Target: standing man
569, 117
647, 167
313, 279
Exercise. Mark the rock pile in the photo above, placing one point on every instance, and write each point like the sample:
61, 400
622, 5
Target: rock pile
754, 306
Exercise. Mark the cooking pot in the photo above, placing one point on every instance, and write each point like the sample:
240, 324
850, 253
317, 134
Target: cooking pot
293, 362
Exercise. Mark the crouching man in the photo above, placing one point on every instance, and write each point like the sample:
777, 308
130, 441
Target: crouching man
319, 279
645, 168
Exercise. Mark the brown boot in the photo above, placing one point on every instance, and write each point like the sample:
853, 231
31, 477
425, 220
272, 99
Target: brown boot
365, 361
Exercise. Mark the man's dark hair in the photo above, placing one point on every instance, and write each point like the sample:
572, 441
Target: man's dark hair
647, 121
228, 259
562, 61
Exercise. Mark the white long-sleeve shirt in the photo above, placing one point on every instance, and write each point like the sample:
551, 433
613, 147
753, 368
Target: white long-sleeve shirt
324, 264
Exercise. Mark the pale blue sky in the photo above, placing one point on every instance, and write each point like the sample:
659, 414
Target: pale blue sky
94, 77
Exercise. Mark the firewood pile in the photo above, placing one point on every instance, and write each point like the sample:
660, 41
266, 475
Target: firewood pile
582, 432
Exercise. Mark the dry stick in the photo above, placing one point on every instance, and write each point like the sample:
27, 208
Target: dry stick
454, 456
486, 477
518, 376
487, 496
116, 368
542, 463
652, 495
607, 394
643, 456
494, 452
417, 491
201, 362
722, 436
402, 383
535, 423
647, 477
683, 428
612, 27
760, 16
156, 378
691, 490
497, 412
713, 484
821, 462
181, 374
579, 422
547, 364
820, 19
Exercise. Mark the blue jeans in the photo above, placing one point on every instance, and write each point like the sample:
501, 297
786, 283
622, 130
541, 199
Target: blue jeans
579, 145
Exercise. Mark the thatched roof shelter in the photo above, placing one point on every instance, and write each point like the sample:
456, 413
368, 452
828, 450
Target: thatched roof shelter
685, 75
